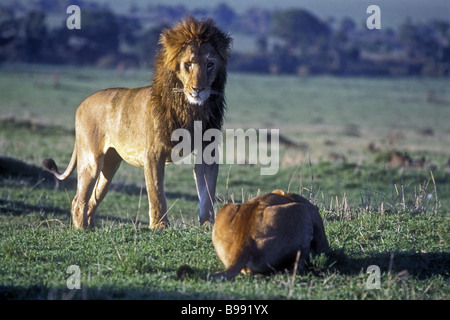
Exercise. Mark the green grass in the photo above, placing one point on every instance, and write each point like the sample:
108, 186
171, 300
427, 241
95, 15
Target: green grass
395, 218
126, 260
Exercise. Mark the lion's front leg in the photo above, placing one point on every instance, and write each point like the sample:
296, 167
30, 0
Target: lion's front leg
154, 180
206, 179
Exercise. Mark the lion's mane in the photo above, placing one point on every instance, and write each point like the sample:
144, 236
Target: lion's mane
172, 108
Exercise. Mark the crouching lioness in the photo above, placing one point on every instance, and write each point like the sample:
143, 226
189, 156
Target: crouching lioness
266, 233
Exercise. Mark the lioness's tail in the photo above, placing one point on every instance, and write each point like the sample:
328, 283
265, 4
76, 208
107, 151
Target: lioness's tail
50, 165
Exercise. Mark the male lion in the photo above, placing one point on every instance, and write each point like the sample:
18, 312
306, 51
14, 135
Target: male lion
136, 125
266, 233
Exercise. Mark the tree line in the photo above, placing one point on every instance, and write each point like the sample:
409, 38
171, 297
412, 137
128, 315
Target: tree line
290, 41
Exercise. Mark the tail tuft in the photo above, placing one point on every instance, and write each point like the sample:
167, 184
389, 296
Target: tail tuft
50, 165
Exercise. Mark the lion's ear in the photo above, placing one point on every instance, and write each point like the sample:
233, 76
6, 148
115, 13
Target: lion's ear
278, 191
229, 208
224, 49
222, 43
170, 49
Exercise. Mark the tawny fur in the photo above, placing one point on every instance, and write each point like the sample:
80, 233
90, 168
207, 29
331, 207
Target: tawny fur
266, 233
136, 125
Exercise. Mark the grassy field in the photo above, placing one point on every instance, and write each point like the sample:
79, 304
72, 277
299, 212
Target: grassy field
343, 132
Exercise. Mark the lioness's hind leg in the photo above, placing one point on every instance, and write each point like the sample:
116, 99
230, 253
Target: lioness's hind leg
234, 268
110, 165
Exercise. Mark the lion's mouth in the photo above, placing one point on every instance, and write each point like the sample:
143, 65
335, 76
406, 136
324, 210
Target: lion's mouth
197, 97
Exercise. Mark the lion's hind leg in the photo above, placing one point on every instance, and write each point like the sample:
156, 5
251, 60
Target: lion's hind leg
111, 163
87, 178
89, 166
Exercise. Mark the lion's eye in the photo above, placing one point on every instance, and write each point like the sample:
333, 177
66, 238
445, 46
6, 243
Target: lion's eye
187, 65
210, 65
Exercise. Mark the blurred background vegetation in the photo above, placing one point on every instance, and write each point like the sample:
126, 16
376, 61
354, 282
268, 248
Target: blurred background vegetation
268, 39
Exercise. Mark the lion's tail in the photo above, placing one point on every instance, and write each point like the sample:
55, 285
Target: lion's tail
50, 165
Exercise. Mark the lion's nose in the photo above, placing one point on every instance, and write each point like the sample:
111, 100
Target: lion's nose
197, 89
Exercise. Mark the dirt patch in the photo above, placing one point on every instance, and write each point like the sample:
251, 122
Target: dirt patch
398, 159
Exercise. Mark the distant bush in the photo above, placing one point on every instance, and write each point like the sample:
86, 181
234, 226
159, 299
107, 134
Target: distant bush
291, 41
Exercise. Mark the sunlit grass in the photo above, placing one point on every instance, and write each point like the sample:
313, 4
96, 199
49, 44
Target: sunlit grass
395, 218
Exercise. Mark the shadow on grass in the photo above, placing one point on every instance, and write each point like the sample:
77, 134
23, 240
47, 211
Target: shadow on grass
35, 176
20, 208
17, 208
420, 265
38, 292
120, 292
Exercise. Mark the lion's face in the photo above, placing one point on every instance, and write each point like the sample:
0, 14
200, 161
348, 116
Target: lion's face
198, 67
